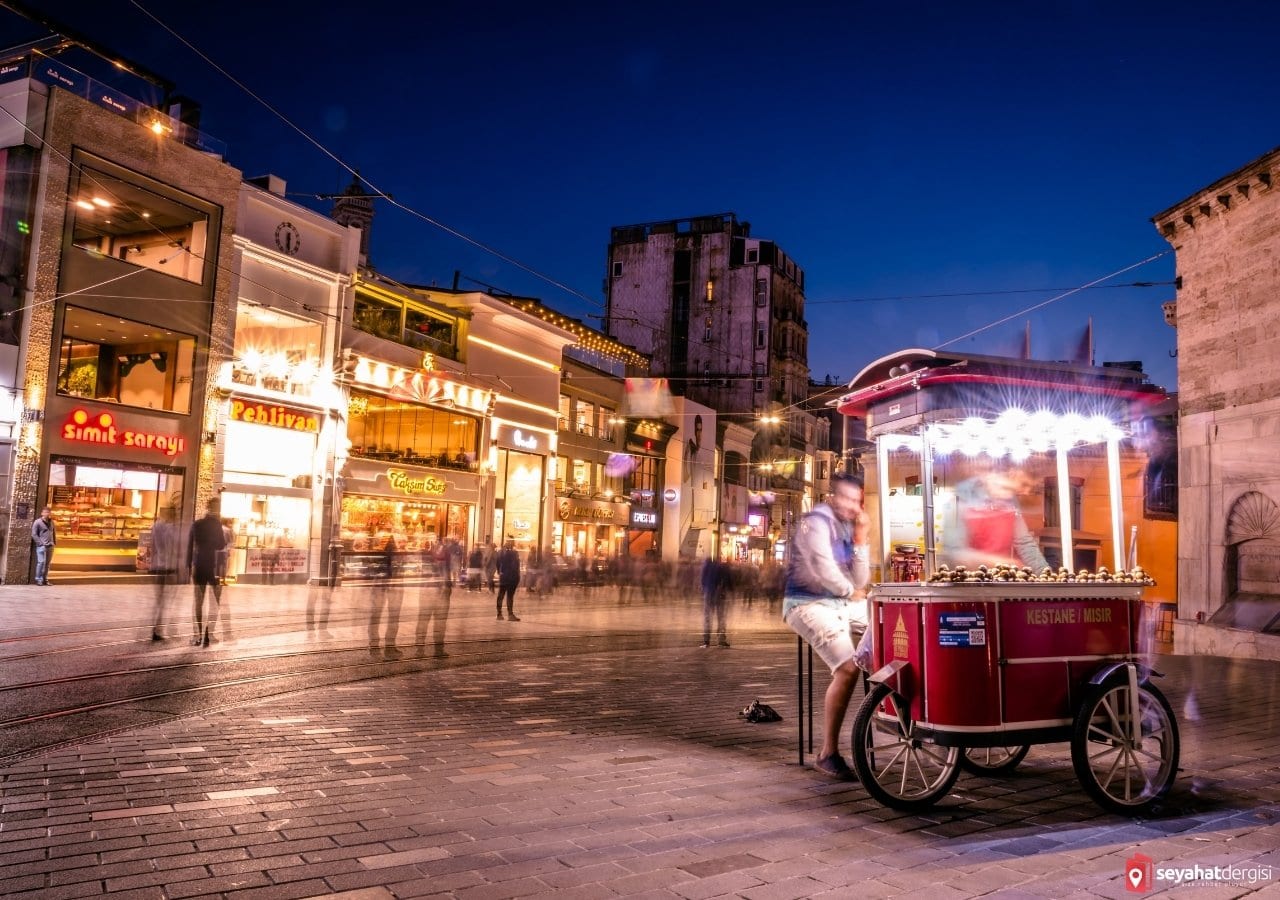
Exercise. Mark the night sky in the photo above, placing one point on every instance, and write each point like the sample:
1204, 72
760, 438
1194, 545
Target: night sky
1001, 153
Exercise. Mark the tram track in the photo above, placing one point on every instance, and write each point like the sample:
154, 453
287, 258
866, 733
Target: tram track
31, 733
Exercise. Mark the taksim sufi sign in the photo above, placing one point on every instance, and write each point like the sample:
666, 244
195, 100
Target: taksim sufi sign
415, 485
84, 427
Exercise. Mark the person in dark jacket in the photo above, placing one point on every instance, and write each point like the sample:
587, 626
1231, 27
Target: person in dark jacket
508, 578
45, 535
204, 544
715, 586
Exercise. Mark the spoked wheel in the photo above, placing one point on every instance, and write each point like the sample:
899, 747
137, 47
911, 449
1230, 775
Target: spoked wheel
1123, 772
895, 766
992, 760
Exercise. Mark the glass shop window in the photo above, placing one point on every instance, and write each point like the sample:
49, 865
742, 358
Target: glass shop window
103, 357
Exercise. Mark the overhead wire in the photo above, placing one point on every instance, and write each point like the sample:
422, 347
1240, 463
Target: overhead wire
1096, 284
333, 156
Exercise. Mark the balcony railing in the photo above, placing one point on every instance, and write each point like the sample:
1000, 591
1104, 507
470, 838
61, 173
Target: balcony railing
40, 67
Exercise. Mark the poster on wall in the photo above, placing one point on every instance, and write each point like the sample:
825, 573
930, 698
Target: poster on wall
906, 517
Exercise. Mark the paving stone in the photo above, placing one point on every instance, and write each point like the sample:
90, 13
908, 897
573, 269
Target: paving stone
425, 783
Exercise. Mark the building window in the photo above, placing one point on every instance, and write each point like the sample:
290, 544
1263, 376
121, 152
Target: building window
759, 338
275, 351
759, 386
377, 317
114, 218
617, 270
108, 358
762, 291
1051, 518
380, 428
586, 412
604, 423
566, 412
753, 255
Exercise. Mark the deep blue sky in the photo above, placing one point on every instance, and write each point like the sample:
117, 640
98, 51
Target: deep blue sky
892, 149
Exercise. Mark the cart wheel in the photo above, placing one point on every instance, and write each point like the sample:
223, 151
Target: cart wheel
992, 760
1122, 775
896, 767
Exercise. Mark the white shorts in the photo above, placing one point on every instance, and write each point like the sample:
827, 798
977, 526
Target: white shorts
831, 628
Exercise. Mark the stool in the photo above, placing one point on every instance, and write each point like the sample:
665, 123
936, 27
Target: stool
801, 647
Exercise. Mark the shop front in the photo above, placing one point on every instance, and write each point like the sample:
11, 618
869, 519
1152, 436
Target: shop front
408, 511
269, 469
107, 477
520, 486
595, 529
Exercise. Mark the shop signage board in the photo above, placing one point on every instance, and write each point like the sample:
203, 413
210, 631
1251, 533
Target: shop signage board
274, 415
416, 484
84, 427
589, 510
644, 518
275, 560
512, 437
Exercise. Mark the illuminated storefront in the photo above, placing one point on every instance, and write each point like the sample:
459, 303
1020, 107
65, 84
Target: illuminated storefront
108, 475
593, 528
520, 485
412, 474
276, 428
268, 471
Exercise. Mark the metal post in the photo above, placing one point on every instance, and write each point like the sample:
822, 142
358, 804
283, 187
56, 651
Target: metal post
810, 698
1117, 503
800, 697
926, 481
1064, 510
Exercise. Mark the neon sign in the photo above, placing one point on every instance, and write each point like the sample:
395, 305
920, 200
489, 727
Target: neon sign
275, 415
85, 428
411, 485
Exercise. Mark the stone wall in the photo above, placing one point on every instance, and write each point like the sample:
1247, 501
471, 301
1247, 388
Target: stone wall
1227, 240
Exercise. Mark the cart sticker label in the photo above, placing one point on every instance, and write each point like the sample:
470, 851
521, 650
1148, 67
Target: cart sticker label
962, 629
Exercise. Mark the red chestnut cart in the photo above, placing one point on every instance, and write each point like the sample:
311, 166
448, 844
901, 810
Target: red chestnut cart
969, 672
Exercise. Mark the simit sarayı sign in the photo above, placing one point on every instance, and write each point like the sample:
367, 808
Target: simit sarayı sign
275, 415
84, 427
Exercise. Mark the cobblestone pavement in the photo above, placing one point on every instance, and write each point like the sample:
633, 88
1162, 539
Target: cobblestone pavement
619, 773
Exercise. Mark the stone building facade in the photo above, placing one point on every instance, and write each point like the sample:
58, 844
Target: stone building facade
1227, 315
92, 160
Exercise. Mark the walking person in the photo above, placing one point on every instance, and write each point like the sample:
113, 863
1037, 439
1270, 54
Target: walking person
45, 535
433, 610
715, 587
490, 564
204, 544
508, 578
386, 597
830, 564
163, 565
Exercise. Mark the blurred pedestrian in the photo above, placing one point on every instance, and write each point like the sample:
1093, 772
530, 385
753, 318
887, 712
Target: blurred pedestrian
385, 598
163, 565
45, 535
508, 578
715, 587
490, 564
204, 543
433, 610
